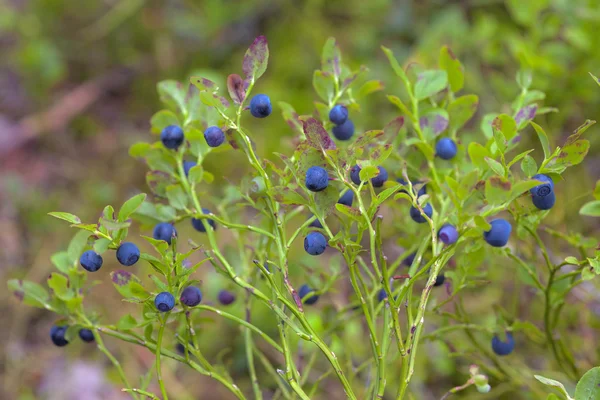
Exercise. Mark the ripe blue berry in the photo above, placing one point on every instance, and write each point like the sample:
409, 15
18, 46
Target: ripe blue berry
199, 226
164, 231
260, 106
422, 190
187, 165
91, 261
378, 181
316, 179
415, 214
191, 296
180, 348
543, 189
225, 297
86, 335
214, 136
445, 148
305, 297
128, 254
503, 348
448, 234
544, 203
316, 224
57, 335
164, 301
338, 114
315, 243
381, 295
344, 131
347, 198
172, 137
439, 280
498, 235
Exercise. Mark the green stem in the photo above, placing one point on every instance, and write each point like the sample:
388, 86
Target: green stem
115, 362
161, 331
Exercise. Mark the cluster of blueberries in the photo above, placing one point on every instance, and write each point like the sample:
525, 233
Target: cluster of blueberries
344, 127
58, 335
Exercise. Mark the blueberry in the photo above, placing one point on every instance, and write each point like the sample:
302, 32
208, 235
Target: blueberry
172, 137
164, 231
199, 226
415, 214
445, 148
543, 189
260, 106
347, 198
544, 203
498, 235
316, 179
57, 335
128, 254
503, 348
344, 131
381, 295
191, 296
439, 280
214, 136
448, 234
315, 243
91, 261
180, 348
187, 165
378, 181
303, 293
164, 301
86, 335
225, 297
338, 114
316, 224
421, 192
409, 259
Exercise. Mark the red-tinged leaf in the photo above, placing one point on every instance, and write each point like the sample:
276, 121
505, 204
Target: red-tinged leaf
369, 87
203, 83
235, 86
331, 57
256, 59
316, 135
392, 129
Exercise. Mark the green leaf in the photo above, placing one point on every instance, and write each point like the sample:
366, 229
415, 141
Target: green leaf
597, 190
139, 150
556, 384
453, 67
204, 84
397, 102
523, 186
434, 122
286, 195
350, 212
177, 197
495, 166
162, 119
505, 124
368, 172
30, 293
462, 110
172, 93
198, 146
77, 245
325, 200
588, 387
529, 166
129, 285
497, 190
518, 158
396, 67
369, 87
573, 153
543, 139
256, 59
74, 219
127, 322
591, 209
527, 12
481, 223
60, 286
331, 58
196, 174
62, 261
101, 245
524, 78
478, 154
130, 206
324, 84
429, 83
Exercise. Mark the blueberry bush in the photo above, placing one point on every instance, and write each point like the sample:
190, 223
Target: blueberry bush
454, 202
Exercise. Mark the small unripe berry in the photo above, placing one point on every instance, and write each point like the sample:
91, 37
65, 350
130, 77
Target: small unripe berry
445, 148
172, 137
214, 136
128, 254
191, 296
315, 243
225, 297
260, 106
86, 335
416, 216
338, 114
498, 235
305, 296
91, 261
503, 348
164, 301
164, 231
344, 131
317, 179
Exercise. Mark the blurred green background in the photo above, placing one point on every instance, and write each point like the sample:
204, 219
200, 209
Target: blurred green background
77, 88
